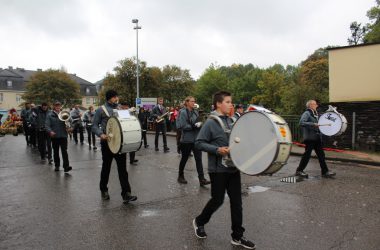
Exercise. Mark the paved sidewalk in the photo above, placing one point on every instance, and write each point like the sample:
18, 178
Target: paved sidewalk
343, 156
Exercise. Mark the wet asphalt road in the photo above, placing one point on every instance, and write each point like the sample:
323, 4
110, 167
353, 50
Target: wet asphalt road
43, 209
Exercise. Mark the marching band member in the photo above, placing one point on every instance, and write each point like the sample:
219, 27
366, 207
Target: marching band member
58, 133
88, 119
312, 140
214, 140
25, 122
143, 118
157, 112
188, 122
239, 111
76, 123
44, 140
102, 115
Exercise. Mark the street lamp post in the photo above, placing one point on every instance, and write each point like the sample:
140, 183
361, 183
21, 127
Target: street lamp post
137, 27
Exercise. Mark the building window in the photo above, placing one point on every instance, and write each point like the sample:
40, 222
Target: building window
18, 98
87, 90
94, 100
88, 100
9, 84
1, 97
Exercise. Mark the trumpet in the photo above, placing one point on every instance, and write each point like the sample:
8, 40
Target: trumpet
160, 118
65, 117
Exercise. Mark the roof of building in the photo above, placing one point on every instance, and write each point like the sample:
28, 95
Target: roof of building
20, 77
353, 46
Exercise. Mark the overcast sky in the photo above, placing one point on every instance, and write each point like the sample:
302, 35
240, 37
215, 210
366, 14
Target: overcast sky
89, 37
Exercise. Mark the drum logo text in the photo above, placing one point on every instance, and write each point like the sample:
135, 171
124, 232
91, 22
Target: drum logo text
329, 117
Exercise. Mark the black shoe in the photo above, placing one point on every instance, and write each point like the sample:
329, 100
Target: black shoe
203, 182
67, 169
94, 148
156, 149
199, 230
56, 168
302, 174
178, 150
50, 161
128, 197
105, 195
166, 149
244, 243
146, 146
182, 180
134, 162
328, 174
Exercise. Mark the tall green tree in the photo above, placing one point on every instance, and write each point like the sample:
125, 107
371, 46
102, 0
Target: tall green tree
357, 33
373, 34
52, 85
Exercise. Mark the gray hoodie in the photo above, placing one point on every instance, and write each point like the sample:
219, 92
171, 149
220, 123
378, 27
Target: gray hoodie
210, 138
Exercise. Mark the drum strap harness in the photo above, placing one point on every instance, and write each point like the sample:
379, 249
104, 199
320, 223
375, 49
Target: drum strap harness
226, 161
105, 110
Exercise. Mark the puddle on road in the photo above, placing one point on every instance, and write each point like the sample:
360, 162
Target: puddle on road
148, 213
257, 189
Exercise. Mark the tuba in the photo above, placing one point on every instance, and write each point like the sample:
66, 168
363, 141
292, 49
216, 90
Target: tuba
65, 117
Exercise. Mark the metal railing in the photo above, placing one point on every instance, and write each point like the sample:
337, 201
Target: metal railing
293, 123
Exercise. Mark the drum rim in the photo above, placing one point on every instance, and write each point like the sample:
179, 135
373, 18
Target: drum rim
121, 134
277, 144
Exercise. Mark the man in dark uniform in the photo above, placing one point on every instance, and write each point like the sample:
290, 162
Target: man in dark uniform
44, 140
312, 140
25, 122
76, 121
239, 111
58, 133
143, 118
88, 119
102, 115
157, 112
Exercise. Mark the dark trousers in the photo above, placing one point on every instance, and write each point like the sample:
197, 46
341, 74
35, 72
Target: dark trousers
26, 132
78, 128
220, 182
317, 146
44, 144
121, 161
143, 135
132, 156
91, 136
33, 136
186, 149
60, 143
178, 139
161, 127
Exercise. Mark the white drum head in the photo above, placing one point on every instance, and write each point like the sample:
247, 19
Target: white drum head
330, 123
115, 135
258, 143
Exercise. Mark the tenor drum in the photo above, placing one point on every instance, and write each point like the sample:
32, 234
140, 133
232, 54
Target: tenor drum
124, 134
260, 143
332, 123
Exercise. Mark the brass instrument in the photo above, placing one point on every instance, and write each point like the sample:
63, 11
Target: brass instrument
160, 118
65, 117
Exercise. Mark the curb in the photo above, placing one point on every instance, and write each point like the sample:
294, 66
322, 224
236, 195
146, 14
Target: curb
372, 163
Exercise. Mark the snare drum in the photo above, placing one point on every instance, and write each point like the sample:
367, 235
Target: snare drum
124, 134
332, 123
260, 143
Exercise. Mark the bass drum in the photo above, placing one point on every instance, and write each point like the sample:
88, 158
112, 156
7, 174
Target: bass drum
332, 123
260, 143
124, 134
